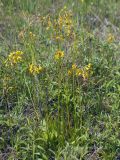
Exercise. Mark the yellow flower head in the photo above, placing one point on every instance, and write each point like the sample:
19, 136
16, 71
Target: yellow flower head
69, 72
14, 57
74, 70
35, 69
87, 71
74, 66
59, 54
85, 75
110, 38
79, 72
88, 67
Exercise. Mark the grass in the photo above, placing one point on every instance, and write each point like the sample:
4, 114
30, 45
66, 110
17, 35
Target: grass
60, 80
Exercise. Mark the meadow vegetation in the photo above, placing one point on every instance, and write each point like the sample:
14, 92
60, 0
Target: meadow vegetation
60, 80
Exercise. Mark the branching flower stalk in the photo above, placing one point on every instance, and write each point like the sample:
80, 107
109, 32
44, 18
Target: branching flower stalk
59, 55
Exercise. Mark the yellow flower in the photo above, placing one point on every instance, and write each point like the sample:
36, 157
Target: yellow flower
59, 54
87, 71
85, 75
69, 72
74, 70
59, 38
110, 38
79, 72
74, 66
88, 67
35, 69
14, 58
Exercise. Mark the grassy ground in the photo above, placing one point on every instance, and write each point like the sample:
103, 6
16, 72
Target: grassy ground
60, 80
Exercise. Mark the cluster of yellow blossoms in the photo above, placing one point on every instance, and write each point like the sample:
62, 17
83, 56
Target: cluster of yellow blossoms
83, 72
64, 22
35, 69
14, 58
62, 26
59, 54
